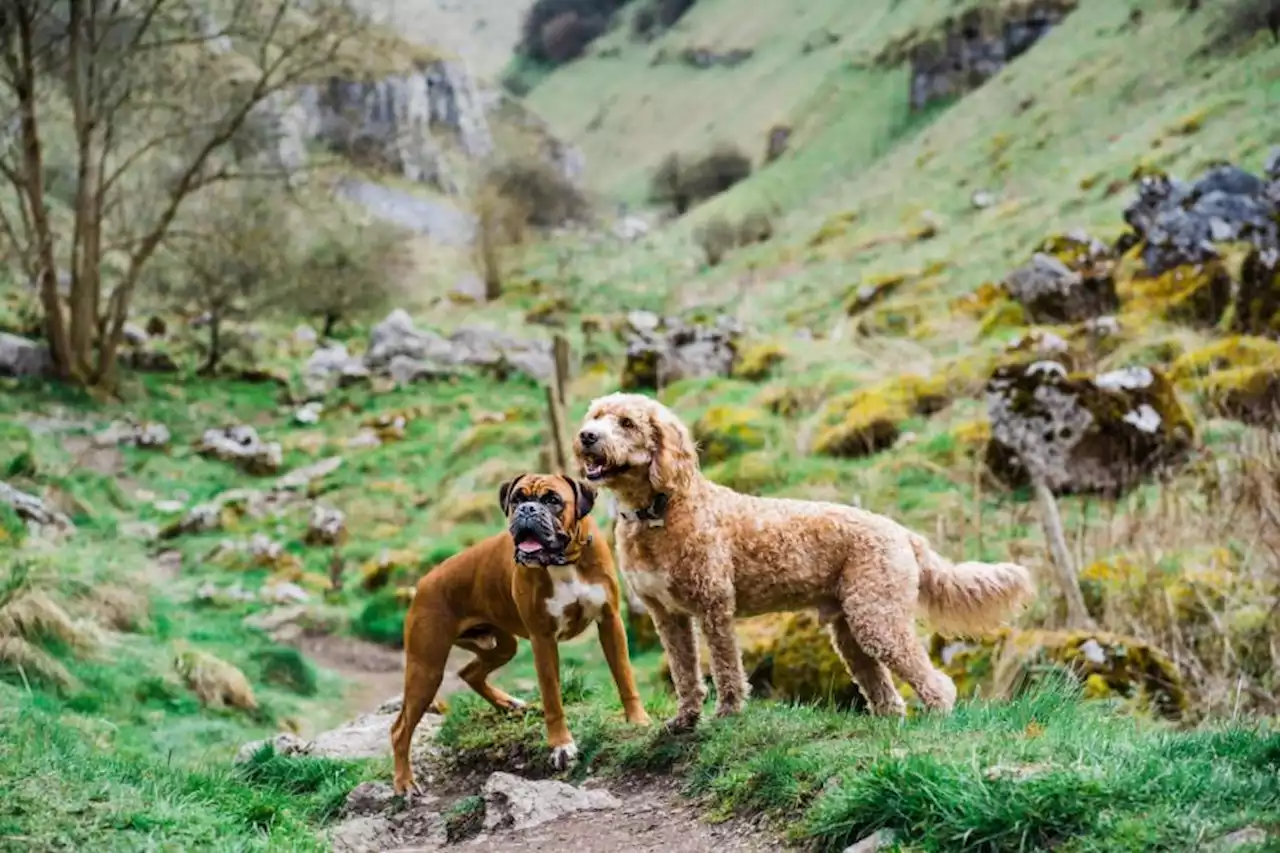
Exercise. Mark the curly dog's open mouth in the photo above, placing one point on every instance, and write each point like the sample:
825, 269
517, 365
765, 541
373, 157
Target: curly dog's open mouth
595, 468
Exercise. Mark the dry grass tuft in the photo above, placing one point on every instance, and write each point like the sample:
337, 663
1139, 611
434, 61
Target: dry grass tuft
30, 619
215, 682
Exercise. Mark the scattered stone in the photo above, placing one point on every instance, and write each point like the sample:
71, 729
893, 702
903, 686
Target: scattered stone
284, 744
42, 520
407, 354
147, 360
397, 336
703, 58
367, 737
304, 335
22, 357
364, 439
1250, 836
210, 592
1087, 434
276, 619
332, 366
1051, 290
881, 840
144, 434
201, 518
661, 351
135, 335
1179, 224
326, 526
309, 414
515, 804
982, 199
302, 478
368, 798
284, 593
143, 531
241, 446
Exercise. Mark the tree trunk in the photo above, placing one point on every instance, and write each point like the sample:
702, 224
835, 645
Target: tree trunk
1064, 566
210, 366
330, 321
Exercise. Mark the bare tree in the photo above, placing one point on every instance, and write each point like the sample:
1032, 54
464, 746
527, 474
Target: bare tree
351, 266
232, 262
144, 99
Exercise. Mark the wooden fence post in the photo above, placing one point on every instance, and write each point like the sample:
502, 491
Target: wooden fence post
557, 420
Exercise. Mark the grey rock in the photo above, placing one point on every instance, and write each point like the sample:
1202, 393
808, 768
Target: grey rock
241, 446
300, 478
325, 526
42, 520
22, 357
879, 840
369, 736
668, 350
131, 433
284, 744
514, 804
1250, 836
1050, 291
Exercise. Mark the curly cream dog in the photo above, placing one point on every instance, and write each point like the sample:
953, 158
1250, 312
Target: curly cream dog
693, 549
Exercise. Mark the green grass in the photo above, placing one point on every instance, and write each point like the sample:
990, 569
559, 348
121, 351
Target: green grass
1044, 772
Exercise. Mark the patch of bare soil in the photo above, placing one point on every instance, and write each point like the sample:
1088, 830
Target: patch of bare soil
653, 818
374, 673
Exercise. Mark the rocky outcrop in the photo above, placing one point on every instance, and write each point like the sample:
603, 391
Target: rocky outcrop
366, 736
131, 433
396, 122
326, 526
241, 446
39, 517
1179, 223
1069, 279
515, 804
1107, 666
1086, 434
21, 357
663, 350
964, 52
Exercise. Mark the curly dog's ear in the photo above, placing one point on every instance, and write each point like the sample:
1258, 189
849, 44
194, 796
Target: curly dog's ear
675, 457
584, 495
504, 493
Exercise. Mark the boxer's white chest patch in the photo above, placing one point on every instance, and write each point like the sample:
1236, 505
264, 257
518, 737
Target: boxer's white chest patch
568, 589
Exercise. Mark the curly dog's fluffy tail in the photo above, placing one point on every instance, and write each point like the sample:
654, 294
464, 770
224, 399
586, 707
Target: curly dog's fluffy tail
968, 598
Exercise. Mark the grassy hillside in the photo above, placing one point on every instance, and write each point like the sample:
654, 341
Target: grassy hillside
99, 718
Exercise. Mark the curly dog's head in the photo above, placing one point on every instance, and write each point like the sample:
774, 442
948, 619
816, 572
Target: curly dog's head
636, 446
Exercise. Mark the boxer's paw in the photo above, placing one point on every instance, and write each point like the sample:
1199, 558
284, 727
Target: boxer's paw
563, 756
638, 717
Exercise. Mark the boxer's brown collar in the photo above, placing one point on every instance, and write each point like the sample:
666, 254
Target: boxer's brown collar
655, 514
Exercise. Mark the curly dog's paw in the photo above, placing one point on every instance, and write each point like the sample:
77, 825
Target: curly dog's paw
685, 721
563, 756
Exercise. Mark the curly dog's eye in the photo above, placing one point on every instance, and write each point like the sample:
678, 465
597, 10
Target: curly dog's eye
626, 423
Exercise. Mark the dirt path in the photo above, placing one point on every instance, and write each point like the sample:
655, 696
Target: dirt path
652, 819
374, 673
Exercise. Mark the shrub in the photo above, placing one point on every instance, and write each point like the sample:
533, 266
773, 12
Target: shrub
558, 31
644, 23
382, 620
755, 227
670, 11
540, 195
717, 238
682, 184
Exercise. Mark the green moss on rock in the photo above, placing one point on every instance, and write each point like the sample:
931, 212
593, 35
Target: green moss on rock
725, 431
757, 362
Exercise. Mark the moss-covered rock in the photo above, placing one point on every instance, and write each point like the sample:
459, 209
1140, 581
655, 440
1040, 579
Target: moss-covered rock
391, 565
1068, 279
758, 361
725, 431
751, 473
1250, 395
1227, 353
980, 301
1108, 666
866, 421
785, 401
873, 290
1194, 294
1088, 434
1258, 304
1001, 316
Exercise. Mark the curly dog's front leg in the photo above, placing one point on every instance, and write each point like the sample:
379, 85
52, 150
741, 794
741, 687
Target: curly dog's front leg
726, 660
675, 630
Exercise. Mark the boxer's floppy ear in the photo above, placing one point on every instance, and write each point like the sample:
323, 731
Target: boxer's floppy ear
504, 492
584, 497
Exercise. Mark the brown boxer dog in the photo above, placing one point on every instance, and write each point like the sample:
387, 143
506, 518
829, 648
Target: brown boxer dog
546, 578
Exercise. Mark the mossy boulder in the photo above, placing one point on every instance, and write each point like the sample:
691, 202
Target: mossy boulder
785, 401
866, 421
1001, 316
873, 290
1250, 395
1226, 353
1068, 279
1192, 294
663, 350
758, 361
751, 473
1107, 666
1258, 304
726, 431
1088, 434
400, 566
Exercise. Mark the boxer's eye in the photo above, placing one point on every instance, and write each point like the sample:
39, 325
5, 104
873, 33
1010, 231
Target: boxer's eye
551, 499
627, 423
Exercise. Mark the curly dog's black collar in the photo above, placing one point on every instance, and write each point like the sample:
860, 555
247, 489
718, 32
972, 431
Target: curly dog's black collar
655, 513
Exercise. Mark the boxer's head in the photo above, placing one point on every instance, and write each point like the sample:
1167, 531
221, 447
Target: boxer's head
543, 514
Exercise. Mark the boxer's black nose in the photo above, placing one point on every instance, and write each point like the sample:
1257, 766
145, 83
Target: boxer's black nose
588, 437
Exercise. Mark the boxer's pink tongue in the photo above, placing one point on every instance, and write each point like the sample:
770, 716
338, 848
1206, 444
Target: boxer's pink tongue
529, 546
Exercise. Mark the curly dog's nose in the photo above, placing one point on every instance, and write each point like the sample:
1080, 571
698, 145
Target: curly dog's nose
588, 437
